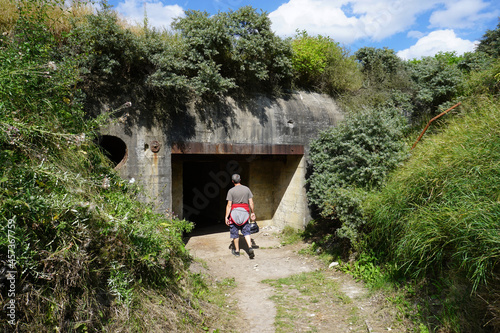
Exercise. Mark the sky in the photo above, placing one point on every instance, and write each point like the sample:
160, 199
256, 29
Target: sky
412, 28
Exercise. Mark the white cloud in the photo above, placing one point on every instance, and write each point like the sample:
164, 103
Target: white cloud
349, 20
415, 34
437, 41
367, 19
462, 14
315, 16
158, 14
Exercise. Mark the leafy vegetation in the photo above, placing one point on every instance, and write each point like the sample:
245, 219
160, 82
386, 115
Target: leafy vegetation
432, 222
80, 251
322, 64
349, 160
443, 222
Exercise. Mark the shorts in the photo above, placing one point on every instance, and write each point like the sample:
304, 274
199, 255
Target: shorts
234, 230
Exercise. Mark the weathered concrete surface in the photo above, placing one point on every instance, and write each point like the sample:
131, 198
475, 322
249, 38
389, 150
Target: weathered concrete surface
269, 139
291, 120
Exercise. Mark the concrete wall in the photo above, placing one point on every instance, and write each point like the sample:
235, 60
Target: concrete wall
253, 128
278, 185
150, 169
294, 119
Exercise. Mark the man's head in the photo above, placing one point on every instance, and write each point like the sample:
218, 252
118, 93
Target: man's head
236, 178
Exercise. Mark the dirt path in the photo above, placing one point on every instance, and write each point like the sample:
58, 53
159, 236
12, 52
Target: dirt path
353, 311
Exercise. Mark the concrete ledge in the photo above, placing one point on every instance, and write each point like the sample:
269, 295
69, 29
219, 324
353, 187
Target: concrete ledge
239, 149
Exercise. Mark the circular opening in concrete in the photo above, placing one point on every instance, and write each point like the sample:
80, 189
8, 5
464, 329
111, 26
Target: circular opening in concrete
115, 149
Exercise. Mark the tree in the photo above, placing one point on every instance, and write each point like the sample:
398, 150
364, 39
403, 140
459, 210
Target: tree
438, 80
382, 68
490, 43
322, 64
233, 50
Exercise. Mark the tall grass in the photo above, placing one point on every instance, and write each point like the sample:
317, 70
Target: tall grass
440, 213
83, 254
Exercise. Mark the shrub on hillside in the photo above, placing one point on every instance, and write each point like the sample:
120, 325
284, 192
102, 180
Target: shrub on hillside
438, 81
386, 82
490, 42
349, 160
382, 68
437, 217
75, 244
322, 64
234, 49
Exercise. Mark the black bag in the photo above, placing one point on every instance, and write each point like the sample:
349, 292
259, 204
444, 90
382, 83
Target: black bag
254, 227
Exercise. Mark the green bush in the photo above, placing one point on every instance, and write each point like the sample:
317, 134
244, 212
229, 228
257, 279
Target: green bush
386, 82
322, 64
490, 42
438, 80
233, 50
382, 68
349, 160
486, 81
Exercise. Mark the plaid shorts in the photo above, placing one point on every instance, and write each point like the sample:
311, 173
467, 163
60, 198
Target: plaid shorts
234, 230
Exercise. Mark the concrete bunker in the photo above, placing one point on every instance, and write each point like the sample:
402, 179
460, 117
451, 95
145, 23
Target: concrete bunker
185, 166
200, 182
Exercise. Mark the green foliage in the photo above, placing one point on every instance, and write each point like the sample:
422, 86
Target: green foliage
438, 216
473, 62
80, 249
350, 159
438, 80
105, 53
381, 67
360, 151
321, 63
490, 42
386, 82
365, 268
486, 81
233, 49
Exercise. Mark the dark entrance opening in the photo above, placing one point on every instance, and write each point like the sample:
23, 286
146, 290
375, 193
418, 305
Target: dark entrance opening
114, 148
205, 182
201, 178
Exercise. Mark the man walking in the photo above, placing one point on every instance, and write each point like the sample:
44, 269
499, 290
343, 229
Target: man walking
239, 210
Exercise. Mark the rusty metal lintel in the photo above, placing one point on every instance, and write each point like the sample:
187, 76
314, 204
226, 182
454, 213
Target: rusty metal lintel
236, 149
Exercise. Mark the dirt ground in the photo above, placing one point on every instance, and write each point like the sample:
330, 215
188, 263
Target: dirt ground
352, 309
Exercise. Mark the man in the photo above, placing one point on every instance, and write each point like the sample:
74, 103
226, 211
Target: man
239, 209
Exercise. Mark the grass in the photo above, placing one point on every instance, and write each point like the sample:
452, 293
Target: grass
290, 236
438, 215
303, 298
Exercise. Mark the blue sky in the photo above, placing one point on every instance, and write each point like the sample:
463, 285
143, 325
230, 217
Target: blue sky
413, 28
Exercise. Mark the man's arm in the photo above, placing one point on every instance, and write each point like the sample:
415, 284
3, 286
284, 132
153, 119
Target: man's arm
228, 210
252, 210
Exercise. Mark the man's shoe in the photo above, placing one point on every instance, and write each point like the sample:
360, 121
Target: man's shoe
251, 254
237, 254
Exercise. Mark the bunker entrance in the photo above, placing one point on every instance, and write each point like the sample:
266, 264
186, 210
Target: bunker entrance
205, 181
200, 183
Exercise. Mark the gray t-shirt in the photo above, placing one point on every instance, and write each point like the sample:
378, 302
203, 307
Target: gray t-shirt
239, 194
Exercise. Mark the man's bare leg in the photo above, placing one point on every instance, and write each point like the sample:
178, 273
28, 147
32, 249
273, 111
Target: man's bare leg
236, 244
249, 241
251, 254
